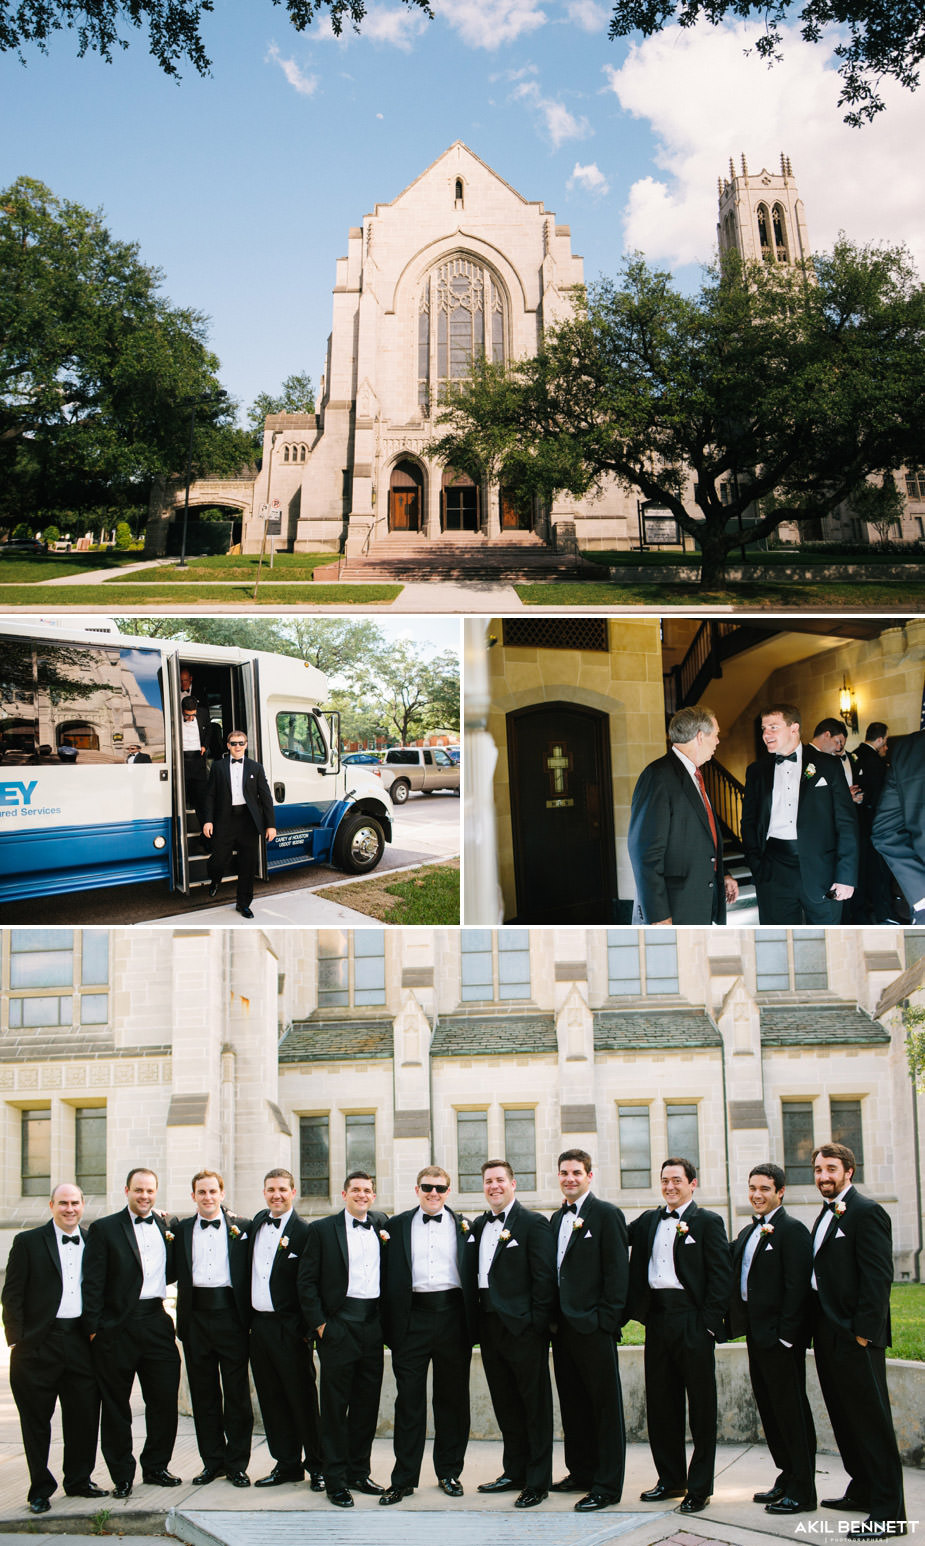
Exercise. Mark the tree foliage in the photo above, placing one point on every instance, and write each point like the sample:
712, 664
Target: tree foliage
173, 26
97, 369
914, 1022
297, 396
774, 389
880, 39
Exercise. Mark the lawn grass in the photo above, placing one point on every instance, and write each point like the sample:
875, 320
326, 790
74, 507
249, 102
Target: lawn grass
236, 566
119, 597
429, 896
803, 596
57, 566
777, 557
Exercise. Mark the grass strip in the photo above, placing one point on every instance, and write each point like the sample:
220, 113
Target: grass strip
429, 896
109, 596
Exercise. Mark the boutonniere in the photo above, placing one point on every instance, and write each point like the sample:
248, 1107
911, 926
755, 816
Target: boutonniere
167, 1235
767, 1229
681, 1228
578, 1223
810, 771
384, 1235
505, 1234
234, 1231
839, 1209
283, 1243
464, 1226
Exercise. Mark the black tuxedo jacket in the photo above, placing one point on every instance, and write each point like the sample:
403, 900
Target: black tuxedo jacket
854, 1269
32, 1288
899, 824
779, 1290
701, 1260
396, 1288
677, 867
113, 1275
522, 1275
284, 1273
324, 1272
827, 828
217, 805
594, 1276
870, 770
239, 1264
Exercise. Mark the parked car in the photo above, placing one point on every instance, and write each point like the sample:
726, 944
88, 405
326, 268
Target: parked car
418, 767
454, 752
362, 757
21, 545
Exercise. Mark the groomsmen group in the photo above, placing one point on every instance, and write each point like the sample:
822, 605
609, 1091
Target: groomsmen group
84, 1314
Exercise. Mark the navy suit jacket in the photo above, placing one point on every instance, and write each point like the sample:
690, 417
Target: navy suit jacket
677, 867
899, 825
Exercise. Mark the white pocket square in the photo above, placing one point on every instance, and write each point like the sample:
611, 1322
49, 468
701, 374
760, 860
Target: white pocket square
292, 1256
471, 1240
821, 783
589, 1235
839, 1234
689, 1240
511, 1244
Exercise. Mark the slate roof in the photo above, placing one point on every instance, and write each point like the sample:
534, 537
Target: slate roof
333, 1041
615, 1031
487, 1035
842, 1025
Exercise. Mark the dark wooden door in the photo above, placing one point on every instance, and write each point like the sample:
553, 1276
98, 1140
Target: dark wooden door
514, 516
562, 814
405, 509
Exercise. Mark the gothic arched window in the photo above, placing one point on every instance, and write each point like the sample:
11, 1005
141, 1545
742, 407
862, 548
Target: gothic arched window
460, 315
764, 232
780, 234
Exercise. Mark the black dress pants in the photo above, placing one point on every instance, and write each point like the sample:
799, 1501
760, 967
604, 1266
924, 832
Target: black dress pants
782, 897
591, 1403
679, 1364
351, 1358
854, 1388
284, 1378
517, 1371
57, 1368
216, 1351
778, 1376
436, 1337
144, 1345
236, 835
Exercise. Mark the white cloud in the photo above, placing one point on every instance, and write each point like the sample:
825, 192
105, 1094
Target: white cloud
705, 103
587, 15
398, 28
558, 124
305, 85
590, 178
489, 23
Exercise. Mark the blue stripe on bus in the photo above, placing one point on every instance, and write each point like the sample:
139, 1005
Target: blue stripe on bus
48, 861
305, 834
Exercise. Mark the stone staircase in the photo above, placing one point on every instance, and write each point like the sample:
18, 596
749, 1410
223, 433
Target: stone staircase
462, 556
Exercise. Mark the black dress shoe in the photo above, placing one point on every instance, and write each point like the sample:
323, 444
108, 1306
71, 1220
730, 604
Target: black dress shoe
208, 1474
244, 911
213, 888
161, 1478
87, 1490
39, 1506
530, 1497
341, 1498
787, 1505
365, 1484
122, 1490
691, 1504
500, 1484
451, 1485
315, 1481
773, 1495
279, 1476
659, 1491
595, 1499
239, 1478
395, 1494
570, 1484
847, 1504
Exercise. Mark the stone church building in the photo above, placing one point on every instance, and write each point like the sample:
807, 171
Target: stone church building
459, 263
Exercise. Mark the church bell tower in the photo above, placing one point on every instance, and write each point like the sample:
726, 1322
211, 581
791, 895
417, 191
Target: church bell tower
761, 215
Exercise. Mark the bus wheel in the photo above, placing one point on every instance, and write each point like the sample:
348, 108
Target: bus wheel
359, 844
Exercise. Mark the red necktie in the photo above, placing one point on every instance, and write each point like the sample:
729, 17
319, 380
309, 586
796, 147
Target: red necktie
707, 806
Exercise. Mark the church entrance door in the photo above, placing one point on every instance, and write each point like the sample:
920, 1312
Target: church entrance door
515, 513
406, 497
562, 814
460, 502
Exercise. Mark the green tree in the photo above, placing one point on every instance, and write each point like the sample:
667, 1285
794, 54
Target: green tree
881, 505
97, 370
413, 694
914, 1021
173, 26
879, 39
774, 390
297, 396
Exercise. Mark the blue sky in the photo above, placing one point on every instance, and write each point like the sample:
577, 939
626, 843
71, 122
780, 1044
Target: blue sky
242, 186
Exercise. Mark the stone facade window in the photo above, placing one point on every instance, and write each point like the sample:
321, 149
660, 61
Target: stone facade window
460, 315
471, 1148
494, 965
797, 1119
73, 959
683, 1131
360, 1135
635, 1146
793, 960
845, 1117
648, 965
314, 1156
351, 968
90, 1149
35, 1168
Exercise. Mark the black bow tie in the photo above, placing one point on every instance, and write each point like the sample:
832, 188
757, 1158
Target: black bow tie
274, 1223
362, 1223
70, 1239
757, 1219
779, 757
494, 1218
670, 1213
149, 1219
210, 1223
570, 1207
831, 1206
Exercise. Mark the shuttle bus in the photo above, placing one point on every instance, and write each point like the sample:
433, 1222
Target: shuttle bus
76, 813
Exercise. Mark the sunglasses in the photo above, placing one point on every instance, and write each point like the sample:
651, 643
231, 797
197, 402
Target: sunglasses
434, 1186
237, 743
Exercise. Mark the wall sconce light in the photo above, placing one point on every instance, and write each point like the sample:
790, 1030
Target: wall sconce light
847, 708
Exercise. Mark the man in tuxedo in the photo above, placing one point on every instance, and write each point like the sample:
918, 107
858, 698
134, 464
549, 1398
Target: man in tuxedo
675, 845
50, 1358
592, 1265
513, 1262
430, 1306
852, 1274
213, 1312
771, 1266
873, 900
203, 717
340, 1286
280, 1340
195, 752
679, 1289
238, 808
799, 829
128, 1263
899, 826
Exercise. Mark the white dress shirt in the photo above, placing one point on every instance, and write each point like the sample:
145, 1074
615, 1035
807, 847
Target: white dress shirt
210, 1254
488, 1244
237, 781
71, 1258
153, 1252
266, 1246
748, 1255
364, 1258
661, 1262
433, 1252
785, 798
566, 1229
825, 1224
